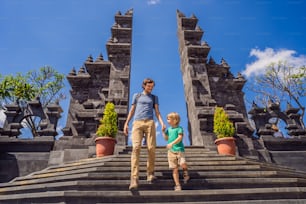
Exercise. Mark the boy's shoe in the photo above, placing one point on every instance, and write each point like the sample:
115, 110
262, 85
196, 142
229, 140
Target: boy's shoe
133, 185
151, 178
186, 177
177, 188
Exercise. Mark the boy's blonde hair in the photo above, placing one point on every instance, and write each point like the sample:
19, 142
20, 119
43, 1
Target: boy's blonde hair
174, 116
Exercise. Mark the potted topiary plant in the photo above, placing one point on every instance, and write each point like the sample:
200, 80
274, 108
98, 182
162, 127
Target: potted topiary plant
107, 132
225, 131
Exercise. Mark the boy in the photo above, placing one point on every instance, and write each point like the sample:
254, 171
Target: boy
175, 146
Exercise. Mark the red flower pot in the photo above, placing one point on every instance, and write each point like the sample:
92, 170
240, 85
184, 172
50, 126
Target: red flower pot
226, 146
105, 146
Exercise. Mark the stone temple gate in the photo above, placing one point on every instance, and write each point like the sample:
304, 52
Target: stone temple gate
206, 84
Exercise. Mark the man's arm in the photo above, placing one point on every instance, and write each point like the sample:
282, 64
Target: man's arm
129, 117
158, 116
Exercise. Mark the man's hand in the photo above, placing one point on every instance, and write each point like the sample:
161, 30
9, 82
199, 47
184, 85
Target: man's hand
163, 127
126, 130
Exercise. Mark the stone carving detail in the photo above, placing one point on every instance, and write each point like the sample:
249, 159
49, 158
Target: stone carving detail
262, 116
15, 115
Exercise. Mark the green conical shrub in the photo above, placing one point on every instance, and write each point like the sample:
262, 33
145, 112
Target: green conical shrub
223, 127
108, 124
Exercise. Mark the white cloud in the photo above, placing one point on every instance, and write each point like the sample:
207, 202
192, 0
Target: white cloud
269, 55
153, 2
2, 118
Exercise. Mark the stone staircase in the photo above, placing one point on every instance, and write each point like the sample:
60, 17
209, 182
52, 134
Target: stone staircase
214, 179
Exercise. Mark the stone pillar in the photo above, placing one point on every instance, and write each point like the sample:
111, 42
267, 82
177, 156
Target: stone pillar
119, 48
207, 85
101, 81
193, 56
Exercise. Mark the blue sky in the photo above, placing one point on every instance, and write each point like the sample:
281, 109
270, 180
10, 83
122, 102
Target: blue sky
62, 34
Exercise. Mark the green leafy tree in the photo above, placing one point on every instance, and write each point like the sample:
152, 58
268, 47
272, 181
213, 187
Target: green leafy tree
15, 88
46, 84
280, 83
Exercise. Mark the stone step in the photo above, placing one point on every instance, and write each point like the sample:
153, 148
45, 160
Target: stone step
164, 152
126, 170
127, 163
282, 201
160, 184
161, 148
106, 164
119, 176
161, 196
143, 158
142, 167
106, 180
143, 163
188, 156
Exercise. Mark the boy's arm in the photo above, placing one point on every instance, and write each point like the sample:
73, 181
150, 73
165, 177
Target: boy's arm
165, 135
177, 140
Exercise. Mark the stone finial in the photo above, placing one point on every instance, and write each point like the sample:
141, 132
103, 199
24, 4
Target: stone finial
115, 40
57, 101
224, 63
193, 16
240, 76
37, 98
179, 13
89, 59
72, 72
100, 58
211, 61
118, 13
82, 70
291, 109
289, 106
116, 25
204, 44
270, 101
254, 105
198, 28
129, 12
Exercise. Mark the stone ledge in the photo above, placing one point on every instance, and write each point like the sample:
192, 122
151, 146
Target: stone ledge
37, 144
284, 144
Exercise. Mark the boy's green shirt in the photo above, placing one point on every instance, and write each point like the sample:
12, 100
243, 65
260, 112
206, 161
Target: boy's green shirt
173, 133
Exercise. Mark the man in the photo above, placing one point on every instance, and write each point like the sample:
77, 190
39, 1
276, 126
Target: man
142, 108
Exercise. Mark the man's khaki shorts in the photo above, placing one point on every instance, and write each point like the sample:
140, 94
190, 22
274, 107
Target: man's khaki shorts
176, 159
